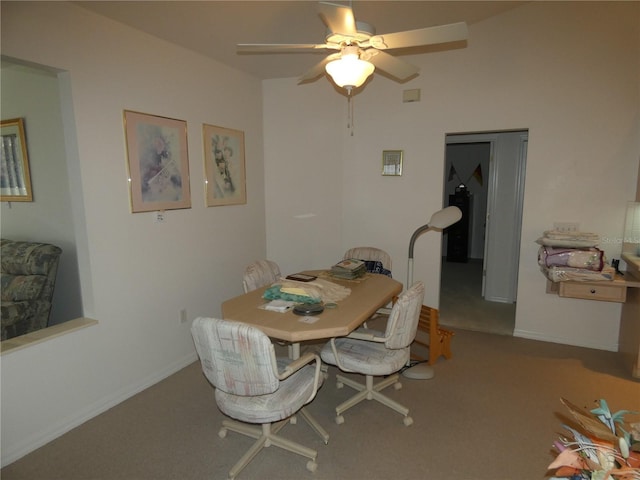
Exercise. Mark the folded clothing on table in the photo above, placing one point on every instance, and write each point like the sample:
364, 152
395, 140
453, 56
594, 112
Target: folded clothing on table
307, 292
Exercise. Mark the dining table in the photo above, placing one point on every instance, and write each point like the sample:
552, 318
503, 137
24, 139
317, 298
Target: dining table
366, 295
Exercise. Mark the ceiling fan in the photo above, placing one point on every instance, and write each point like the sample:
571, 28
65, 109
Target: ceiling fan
359, 49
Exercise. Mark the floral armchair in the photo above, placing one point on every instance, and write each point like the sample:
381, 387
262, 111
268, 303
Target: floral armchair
28, 275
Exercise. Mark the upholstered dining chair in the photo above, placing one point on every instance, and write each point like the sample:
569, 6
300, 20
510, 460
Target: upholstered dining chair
259, 274
372, 254
262, 273
373, 353
252, 386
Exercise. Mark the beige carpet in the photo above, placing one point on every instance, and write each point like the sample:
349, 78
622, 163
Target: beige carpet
491, 413
462, 305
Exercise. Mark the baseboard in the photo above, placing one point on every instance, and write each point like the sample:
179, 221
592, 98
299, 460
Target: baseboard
12, 453
563, 341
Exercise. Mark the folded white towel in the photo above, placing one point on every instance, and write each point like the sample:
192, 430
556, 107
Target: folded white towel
584, 236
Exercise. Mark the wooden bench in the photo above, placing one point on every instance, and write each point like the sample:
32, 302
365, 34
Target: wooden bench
439, 342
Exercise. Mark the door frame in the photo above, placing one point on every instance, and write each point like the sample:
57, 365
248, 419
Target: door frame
489, 263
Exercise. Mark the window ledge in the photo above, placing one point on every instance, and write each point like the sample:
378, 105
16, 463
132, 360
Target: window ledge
18, 343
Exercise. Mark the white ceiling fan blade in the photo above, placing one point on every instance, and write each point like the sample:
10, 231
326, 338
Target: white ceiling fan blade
318, 69
392, 65
338, 18
280, 47
452, 32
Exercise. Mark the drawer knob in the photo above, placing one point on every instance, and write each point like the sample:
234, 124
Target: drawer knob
593, 290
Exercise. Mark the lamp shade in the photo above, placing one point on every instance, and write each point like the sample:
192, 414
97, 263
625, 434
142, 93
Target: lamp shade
349, 70
445, 217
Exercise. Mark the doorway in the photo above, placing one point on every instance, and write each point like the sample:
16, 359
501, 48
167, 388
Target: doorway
484, 176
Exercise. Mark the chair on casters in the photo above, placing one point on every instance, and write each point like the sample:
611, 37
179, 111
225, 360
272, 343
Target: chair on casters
254, 387
373, 254
259, 274
262, 273
372, 353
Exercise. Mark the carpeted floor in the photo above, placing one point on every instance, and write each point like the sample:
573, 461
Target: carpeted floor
462, 305
491, 413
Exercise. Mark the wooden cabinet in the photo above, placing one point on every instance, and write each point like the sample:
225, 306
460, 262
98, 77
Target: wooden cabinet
458, 233
615, 291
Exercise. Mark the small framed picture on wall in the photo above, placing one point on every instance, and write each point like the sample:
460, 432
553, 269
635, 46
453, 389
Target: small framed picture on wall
15, 181
392, 162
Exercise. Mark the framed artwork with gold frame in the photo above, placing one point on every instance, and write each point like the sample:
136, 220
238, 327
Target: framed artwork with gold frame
224, 166
15, 177
158, 162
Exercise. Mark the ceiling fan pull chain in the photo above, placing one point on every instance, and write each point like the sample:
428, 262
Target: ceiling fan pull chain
350, 113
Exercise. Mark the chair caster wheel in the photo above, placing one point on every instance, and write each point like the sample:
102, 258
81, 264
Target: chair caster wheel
408, 421
222, 433
312, 466
397, 386
339, 384
339, 419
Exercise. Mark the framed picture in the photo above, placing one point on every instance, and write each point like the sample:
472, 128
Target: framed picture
158, 162
15, 178
392, 162
224, 166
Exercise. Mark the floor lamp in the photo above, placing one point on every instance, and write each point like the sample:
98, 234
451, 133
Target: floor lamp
439, 221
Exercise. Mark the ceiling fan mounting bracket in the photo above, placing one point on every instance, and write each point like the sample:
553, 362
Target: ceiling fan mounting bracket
364, 32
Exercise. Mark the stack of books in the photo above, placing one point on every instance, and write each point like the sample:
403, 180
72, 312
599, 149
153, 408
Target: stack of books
349, 268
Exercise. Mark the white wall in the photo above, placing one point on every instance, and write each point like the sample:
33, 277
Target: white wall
573, 84
33, 94
139, 273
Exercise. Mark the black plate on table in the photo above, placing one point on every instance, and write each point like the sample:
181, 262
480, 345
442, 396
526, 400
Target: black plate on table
308, 309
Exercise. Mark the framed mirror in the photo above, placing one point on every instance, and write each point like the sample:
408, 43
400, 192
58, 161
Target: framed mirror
15, 179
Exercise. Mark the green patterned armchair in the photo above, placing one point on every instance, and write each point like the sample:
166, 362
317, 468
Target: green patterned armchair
28, 278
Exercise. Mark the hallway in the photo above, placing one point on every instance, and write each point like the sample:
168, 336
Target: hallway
462, 305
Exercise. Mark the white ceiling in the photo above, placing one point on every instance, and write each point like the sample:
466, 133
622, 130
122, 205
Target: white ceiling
214, 28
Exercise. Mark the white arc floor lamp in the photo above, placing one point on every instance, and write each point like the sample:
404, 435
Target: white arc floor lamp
439, 221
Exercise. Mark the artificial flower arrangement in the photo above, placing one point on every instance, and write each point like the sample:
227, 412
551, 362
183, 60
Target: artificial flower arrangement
609, 449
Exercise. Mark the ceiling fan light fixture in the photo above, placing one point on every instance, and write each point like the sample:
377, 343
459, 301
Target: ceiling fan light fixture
349, 71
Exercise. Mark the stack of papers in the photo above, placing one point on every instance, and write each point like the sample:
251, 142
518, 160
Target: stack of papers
349, 268
279, 305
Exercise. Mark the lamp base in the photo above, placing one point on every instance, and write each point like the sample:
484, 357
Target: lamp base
421, 371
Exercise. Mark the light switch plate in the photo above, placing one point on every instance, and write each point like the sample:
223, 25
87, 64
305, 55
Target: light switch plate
566, 227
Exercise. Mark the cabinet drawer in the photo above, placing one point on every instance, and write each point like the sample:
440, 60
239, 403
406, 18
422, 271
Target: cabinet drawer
593, 291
